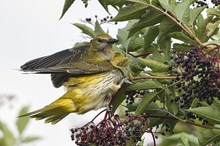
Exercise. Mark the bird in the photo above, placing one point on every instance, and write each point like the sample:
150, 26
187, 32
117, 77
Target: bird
91, 74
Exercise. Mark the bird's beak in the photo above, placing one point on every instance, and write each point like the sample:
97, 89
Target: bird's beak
112, 41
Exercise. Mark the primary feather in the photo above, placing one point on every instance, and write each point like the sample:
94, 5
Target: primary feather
91, 75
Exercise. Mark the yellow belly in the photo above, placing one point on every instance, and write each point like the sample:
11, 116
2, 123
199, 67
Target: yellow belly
92, 91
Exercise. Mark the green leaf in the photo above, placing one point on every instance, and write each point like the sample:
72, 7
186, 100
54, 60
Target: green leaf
164, 43
113, 3
211, 28
8, 139
21, 123
213, 11
164, 3
182, 37
118, 98
210, 113
105, 3
132, 11
182, 11
123, 34
98, 29
201, 30
135, 43
208, 136
155, 65
167, 26
151, 17
146, 100
180, 139
181, 47
85, 29
144, 85
194, 13
66, 6
171, 105
150, 35
184, 140
167, 5
30, 139
216, 103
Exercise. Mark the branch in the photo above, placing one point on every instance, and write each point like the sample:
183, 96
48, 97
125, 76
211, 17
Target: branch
152, 77
172, 16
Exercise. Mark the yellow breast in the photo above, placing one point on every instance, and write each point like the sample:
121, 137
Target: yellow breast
93, 91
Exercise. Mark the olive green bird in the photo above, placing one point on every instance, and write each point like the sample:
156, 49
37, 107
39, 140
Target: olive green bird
91, 74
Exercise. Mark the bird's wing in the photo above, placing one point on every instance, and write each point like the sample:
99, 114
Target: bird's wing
65, 64
61, 73
62, 57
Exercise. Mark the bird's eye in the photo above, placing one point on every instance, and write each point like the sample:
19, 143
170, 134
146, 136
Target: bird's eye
99, 40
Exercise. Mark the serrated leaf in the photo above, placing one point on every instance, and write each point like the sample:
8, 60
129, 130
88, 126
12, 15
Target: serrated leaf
213, 11
113, 3
167, 26
184, 140
7, 138
144, 85
135, 43
85, 29
21, 123
118, 98
151, 17
146, 100
104, 3
182, 37
181, 47
201, 30
123, 34
194, 13
132, 11
182, 11
164, 3
155, 65
164, 43
216, 103
66, 6
171, 105
30, 139
211, 28
210, 113
98, 29
150, 35
209, 135
177, 139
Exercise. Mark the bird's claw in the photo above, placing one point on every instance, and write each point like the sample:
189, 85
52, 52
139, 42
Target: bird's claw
125, 80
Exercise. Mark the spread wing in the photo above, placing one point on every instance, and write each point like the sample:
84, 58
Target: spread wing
62, 57
65, 64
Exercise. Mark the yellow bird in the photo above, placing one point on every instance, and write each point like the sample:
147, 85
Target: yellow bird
91, 74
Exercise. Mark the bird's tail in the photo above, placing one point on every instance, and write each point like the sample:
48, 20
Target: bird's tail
53, 112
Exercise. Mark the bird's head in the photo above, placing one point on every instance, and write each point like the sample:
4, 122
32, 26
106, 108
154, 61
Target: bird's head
102, 41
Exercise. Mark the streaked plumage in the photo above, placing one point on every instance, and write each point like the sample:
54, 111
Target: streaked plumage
91, 75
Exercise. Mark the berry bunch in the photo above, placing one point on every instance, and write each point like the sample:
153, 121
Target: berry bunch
132, 95
101, 21
197, 75
215, 2
110, 131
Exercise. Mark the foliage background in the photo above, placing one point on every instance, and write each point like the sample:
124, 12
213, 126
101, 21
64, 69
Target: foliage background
32, 29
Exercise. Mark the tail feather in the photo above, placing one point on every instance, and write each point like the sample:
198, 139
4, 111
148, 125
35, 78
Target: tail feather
55, 119
51, 114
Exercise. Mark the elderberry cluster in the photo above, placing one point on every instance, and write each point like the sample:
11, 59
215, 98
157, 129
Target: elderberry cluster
101, 21
203, 3
197, 76
132, 95
110, 131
